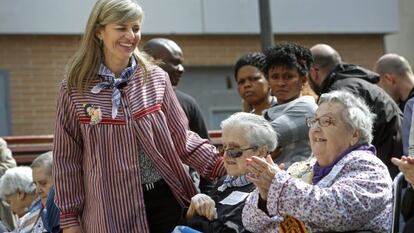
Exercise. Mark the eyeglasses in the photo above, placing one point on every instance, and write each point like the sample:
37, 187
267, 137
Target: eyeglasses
323, 121
235, 153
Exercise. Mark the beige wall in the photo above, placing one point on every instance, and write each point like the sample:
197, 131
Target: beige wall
403, 41
36, 65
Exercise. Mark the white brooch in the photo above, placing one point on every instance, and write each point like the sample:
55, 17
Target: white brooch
94, 112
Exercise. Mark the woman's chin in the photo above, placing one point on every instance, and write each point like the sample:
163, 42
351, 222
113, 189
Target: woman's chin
233, 173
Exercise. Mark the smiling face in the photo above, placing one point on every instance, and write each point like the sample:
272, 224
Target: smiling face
233, 139
119, 42
329, 141
252, 85
43, 181
286, 84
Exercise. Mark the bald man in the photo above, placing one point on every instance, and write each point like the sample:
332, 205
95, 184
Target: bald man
397, 79
330, 73
171, 56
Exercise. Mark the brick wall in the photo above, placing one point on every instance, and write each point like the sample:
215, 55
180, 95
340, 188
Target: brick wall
36, 65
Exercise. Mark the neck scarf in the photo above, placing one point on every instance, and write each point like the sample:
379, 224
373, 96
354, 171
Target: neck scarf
321, 172
109, 81
231, 181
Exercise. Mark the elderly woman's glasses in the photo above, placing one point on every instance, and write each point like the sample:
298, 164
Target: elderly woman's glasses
322, 121
235, 153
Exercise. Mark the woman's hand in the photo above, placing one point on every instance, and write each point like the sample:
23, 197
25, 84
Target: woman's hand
406, 166
202, 205
76, 229
262, 173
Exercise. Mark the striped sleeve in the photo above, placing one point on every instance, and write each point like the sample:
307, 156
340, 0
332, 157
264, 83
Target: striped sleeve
67, 162
193, 150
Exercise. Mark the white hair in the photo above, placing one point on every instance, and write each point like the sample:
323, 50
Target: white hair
356, 113
257, 130
5, 152
44, 160
17, 179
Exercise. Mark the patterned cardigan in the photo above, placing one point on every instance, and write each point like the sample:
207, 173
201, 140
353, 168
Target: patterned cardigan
355, 195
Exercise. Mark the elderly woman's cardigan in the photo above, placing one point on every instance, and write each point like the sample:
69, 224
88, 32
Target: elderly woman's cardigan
355, 195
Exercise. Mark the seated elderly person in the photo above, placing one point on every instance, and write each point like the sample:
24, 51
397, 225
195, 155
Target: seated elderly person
18, 191
7, 220
244, 135
350, 188
42, 177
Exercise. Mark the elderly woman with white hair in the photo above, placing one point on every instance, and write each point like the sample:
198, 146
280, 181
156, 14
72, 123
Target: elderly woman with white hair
6, 162
244, 135
18, 191
347, 188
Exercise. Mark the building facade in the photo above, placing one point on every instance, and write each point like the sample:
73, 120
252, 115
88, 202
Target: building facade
38, 37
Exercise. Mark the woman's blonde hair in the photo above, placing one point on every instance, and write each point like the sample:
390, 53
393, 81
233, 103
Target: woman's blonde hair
85, 63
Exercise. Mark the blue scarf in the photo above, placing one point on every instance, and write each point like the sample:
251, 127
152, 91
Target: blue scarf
231, 181
321, 172
109, 81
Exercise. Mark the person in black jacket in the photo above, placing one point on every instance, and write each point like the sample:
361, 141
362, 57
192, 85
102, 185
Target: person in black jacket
244, 135
170, 56
330, 73
396, 78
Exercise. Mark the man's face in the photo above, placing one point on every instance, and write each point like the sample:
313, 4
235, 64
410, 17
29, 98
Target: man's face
387, 83
314, 76
172, 64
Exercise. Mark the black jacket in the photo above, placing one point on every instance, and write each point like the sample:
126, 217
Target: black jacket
361, 82
229, 217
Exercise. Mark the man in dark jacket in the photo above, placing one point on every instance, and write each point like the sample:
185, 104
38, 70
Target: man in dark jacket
171, 56
330, 73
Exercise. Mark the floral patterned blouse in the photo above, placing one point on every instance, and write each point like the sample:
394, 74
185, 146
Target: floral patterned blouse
355, 195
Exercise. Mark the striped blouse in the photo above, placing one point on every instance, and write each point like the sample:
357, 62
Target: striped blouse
96, 159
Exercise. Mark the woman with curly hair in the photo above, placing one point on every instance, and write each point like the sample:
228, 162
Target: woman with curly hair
287, 69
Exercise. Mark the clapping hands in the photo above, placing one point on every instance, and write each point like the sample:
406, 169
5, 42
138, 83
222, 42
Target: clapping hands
262, 171
406, 166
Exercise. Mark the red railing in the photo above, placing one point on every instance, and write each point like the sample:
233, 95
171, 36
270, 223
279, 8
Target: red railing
26, 148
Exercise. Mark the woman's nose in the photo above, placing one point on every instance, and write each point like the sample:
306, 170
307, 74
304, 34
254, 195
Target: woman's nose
130, 34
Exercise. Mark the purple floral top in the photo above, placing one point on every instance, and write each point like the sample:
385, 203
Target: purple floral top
355, 195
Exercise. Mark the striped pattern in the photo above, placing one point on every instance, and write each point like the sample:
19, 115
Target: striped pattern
96, 167
109, 81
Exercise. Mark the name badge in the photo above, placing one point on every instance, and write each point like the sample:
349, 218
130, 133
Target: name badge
234, 198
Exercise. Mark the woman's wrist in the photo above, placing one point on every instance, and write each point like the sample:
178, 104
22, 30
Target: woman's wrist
262, 204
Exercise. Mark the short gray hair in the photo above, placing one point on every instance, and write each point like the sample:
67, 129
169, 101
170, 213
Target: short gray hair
5, 152
392, 63
17, 179
258, 131
356, 113
44, 160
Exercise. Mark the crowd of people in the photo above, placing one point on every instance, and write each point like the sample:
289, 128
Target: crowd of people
316, 149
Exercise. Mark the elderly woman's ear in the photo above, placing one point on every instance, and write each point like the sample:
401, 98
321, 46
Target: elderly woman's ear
21, 195
263, 151
355, 137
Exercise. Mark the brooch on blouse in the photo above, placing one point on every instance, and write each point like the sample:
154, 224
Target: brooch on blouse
94, 112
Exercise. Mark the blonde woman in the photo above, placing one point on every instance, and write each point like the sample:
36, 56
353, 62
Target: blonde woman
121, 135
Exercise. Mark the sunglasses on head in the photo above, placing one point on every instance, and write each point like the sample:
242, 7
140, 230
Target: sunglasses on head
235, 153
